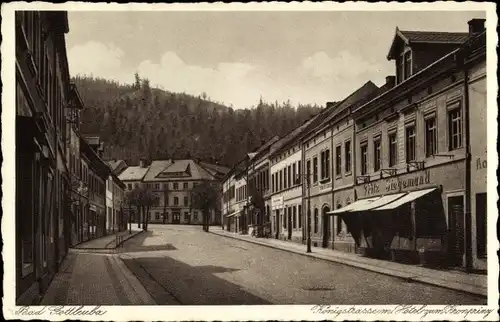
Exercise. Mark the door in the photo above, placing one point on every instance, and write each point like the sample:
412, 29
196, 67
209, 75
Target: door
289, 222
176, 217
456, 230
277, 227
326, 227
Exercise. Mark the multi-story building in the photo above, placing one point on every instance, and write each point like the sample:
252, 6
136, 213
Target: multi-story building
173, 181
115, 190
42, 93
94, 226
132, 178
259, 190
229, 197
412, 165
317, 146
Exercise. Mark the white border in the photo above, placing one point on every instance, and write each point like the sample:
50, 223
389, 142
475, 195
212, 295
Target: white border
226, 313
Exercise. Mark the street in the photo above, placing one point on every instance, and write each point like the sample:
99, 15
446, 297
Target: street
182, 265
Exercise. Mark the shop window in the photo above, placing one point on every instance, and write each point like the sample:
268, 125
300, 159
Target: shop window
455, 128
187, 217
430, 137
347, 151
364, 158
481, 219
376, 155
393, 148
410, 143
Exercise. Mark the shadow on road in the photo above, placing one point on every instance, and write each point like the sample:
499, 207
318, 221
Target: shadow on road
171, 282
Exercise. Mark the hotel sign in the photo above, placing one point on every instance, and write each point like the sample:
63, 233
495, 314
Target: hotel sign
394, 185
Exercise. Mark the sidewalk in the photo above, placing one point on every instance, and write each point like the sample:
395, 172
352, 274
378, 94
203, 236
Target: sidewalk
456, 280
109, 241
95, 279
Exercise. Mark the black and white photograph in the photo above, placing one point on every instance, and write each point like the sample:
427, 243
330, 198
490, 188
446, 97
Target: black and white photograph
252, 162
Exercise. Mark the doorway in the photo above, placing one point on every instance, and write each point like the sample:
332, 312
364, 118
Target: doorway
326, 227
289, 222
456, 230
176, 217
277, 227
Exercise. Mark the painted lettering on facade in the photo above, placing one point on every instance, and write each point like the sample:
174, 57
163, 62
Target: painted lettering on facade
393, 185
480, 164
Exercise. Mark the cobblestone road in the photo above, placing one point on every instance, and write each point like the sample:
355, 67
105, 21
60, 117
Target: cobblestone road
184, 265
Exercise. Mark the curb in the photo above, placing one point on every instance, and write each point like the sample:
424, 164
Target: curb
406, 277
111, 248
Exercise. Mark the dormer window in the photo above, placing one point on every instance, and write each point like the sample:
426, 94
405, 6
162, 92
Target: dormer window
407, 63
403, 66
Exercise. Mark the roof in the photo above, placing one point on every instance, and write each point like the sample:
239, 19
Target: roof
117, 166
135, 173
430, 37
358, 97
165, 170
291, 135
215, 167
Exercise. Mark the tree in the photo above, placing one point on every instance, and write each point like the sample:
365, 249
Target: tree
205, 197
137, 84
143, 198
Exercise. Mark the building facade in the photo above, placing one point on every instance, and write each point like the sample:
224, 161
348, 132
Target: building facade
173, 182
411, 161
42, 178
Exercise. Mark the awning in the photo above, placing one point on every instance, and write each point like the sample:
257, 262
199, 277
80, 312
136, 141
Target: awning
235, 213
406, 199
382, 201
354, 206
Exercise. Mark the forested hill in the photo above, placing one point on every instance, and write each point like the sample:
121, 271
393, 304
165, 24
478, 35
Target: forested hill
137, 121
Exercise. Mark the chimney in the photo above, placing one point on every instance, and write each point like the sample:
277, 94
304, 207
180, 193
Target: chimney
142, 163
476, 26
329, 104
390, 81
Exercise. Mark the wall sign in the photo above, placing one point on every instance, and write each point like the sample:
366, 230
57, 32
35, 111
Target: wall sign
393, 185
480, 164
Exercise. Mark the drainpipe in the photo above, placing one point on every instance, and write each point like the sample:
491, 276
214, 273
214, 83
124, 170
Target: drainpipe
468, 199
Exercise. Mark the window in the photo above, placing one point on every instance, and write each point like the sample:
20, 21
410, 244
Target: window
481, 226
338, 160
165, 186
157, 215
308, 171
299, 172
393, 148
187, 217
129, 186
455, 129
290, 183
399, 69
176, 201
430, 137
325, 164
364, 158
185, 186
272, 182
284, 178
294, 174
157, 186
195, 215
185, 201
315, 169
285, 222
376, 155
410, 143
300, 216
316, 218
347, 152
176, 186
407, 65
281, 179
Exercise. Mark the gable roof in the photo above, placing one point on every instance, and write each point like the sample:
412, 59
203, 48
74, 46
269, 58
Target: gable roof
428, 37
135, 173
166, 170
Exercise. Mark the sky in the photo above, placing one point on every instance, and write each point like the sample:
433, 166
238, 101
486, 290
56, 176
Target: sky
237, 57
